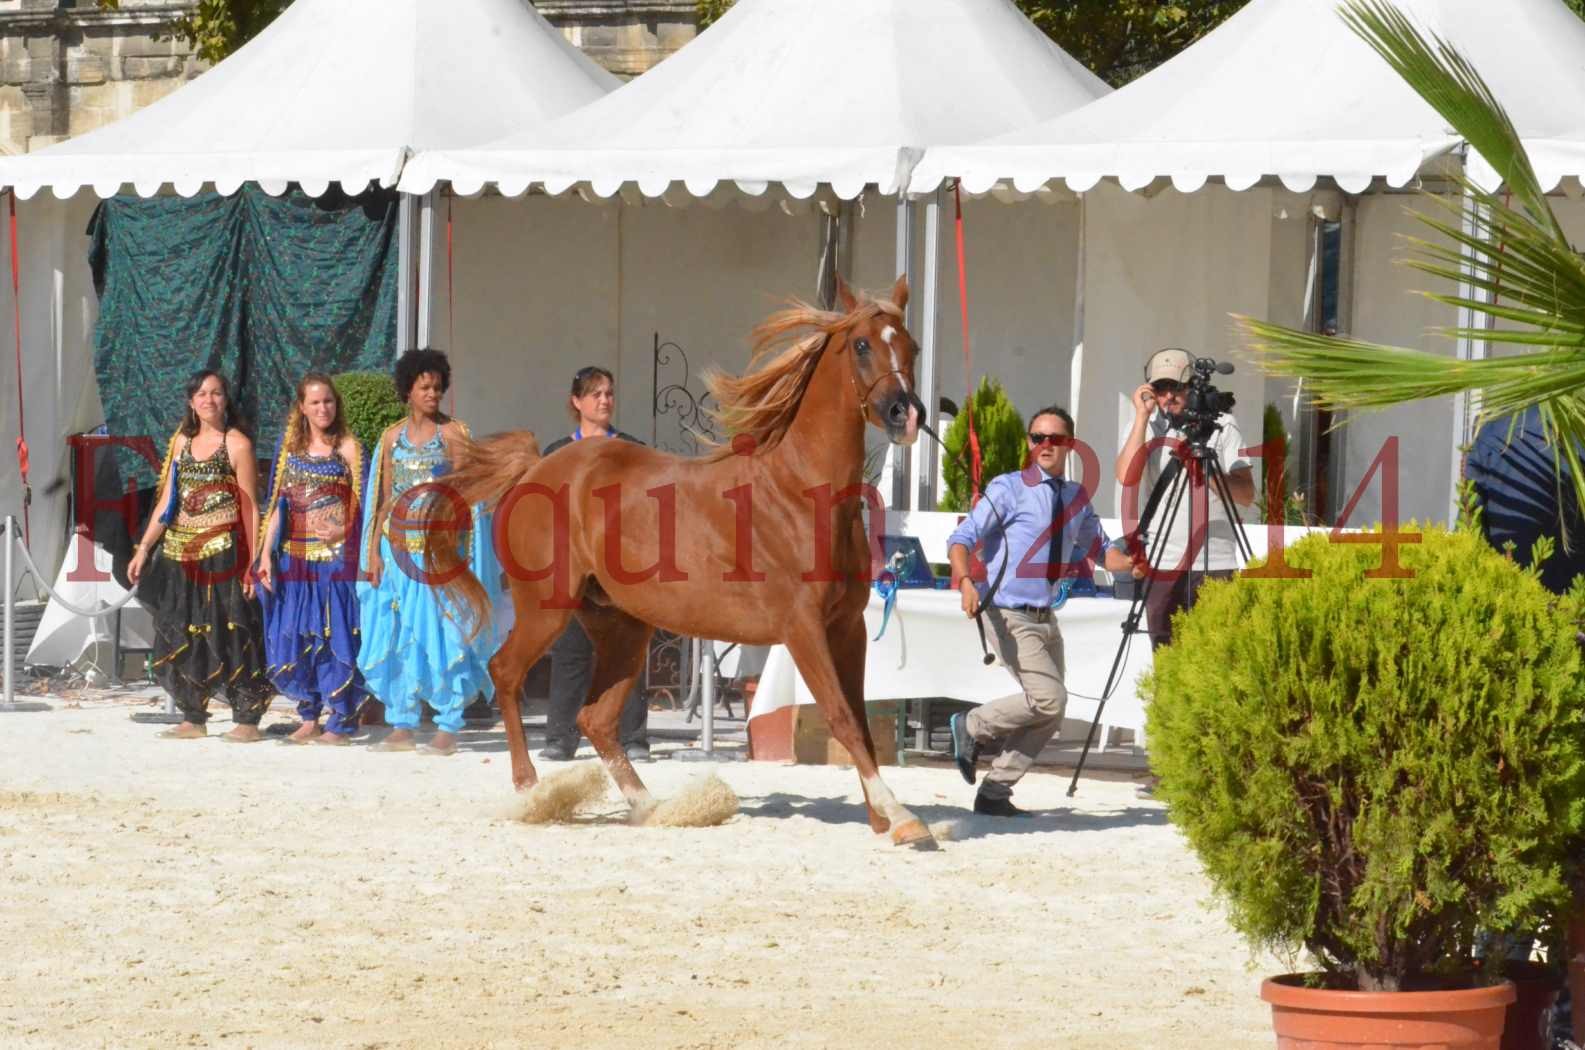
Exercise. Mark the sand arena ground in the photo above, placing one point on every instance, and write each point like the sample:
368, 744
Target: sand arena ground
162, 894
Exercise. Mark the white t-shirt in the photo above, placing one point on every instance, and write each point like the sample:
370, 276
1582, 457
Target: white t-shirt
1199, 500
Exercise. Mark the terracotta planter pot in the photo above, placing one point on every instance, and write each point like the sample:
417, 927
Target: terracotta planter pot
1526, 1025
1576, 972
1322, 1019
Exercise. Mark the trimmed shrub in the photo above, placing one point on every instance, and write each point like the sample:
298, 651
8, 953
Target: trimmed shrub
1373, 769
1002, 441
369, 405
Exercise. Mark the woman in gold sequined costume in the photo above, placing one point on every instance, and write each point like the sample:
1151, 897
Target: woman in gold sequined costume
208, 636
307, 567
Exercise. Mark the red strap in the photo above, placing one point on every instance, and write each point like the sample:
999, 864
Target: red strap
16, 326
975, 463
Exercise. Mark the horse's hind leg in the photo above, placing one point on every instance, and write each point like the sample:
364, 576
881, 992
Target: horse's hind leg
621, 645
535, 628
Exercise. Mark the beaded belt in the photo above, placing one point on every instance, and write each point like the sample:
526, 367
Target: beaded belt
184, 543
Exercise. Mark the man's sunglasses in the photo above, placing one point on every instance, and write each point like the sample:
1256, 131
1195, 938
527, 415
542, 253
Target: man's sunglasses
1166, 386
1047, 439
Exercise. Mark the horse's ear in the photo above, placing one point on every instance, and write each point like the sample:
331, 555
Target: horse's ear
845, 297
900, 292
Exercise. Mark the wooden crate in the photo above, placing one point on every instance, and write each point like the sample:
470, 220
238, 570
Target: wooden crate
814, 746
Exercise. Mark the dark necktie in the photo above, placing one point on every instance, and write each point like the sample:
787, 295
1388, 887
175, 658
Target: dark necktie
1055, 554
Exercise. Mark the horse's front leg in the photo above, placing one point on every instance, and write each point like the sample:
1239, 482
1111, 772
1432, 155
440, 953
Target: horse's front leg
831, 660
845, 638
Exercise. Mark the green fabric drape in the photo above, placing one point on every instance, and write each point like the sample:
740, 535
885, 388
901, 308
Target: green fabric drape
259, 288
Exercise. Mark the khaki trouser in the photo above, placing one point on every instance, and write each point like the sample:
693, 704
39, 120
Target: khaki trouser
1031, 647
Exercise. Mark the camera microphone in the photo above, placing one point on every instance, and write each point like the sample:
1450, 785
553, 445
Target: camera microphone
1207, 364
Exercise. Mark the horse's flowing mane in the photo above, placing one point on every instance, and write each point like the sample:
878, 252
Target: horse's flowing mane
762, 402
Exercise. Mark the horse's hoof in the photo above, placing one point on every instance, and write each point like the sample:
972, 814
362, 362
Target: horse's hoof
525, 784
640, 814
914, 834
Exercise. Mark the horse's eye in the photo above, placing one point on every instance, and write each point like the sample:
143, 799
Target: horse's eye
861, 345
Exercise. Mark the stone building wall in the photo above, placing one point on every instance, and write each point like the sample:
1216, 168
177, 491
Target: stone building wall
67, 67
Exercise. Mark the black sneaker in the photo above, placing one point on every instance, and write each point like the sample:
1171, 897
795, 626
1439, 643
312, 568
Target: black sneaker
558, 752
998, 807
965, 749
637, 753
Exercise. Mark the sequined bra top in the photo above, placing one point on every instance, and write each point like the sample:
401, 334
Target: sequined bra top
412, 466
316, 494
203, 516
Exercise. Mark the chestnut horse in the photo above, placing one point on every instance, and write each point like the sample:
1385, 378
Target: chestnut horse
760, 542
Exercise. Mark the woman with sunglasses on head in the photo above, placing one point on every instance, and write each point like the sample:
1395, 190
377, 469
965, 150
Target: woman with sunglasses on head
414, 649
208, 636
591, 406
307, 569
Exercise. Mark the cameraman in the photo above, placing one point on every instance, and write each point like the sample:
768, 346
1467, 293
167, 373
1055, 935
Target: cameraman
1201, 526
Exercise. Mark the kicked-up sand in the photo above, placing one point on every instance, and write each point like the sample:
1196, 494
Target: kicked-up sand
191, 894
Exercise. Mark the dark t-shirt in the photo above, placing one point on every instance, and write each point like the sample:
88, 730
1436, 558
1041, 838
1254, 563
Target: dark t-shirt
1516, 487
563, 442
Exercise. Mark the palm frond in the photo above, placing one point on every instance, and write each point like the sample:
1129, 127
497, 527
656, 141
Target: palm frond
1511, 262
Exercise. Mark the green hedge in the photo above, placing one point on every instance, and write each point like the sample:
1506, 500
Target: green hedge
1372, 770
1002, 440
369, 405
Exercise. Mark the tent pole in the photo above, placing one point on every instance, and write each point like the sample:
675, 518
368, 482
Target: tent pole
902, 495
405, 272
1466, 406
426, 270
927, 372
1076, 364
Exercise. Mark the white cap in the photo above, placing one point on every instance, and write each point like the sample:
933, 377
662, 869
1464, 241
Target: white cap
1171, 363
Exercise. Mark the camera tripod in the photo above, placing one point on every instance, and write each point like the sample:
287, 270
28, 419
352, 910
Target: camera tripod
1170, 489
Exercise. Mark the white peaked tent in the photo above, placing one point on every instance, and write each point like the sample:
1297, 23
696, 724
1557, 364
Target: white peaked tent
1279, 113
333, 91
796, 92
821, 99
1285, 89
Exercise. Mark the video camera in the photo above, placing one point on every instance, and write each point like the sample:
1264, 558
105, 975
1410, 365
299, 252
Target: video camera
1203, 404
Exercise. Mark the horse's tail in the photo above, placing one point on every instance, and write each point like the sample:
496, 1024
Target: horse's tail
482, 472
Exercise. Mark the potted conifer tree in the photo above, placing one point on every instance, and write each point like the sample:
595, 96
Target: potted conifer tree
1373, 771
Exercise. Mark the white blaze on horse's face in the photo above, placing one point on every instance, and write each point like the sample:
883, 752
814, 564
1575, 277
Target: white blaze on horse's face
883, 362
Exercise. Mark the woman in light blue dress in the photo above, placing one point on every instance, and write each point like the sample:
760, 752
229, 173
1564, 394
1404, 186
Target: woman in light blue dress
414, 649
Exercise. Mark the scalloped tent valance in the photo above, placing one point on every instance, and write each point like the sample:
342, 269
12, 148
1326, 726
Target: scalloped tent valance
342, 91
802, 93
1285, 90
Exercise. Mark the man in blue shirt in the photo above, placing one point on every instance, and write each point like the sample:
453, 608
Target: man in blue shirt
1516, 479
1042, 528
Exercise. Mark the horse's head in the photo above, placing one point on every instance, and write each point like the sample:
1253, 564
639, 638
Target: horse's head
881, 354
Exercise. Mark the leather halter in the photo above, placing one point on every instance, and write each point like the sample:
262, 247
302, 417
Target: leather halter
864, 397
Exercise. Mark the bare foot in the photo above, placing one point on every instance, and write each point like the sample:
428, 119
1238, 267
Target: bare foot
306, 733
244, 735
442, 743
185, 731
396, 740
333, 739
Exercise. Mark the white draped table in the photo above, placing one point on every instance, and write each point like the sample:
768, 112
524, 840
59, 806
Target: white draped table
930, 649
